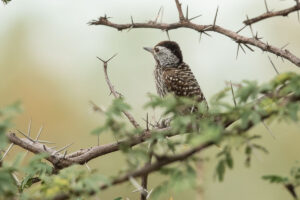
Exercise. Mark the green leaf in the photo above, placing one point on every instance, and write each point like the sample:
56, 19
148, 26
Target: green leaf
249, 90
275, 179
261, 148
35, 168
159, 190
229, 160
220, 170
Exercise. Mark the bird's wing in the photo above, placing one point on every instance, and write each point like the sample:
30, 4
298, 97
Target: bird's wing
182, 82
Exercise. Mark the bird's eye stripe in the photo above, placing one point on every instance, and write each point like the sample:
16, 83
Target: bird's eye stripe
156, 49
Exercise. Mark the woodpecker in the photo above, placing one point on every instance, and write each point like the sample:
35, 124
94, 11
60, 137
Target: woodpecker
171, 74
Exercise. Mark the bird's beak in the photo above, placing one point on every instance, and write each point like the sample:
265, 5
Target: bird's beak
151, 50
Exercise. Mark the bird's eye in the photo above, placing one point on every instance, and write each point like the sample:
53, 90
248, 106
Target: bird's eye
156, 50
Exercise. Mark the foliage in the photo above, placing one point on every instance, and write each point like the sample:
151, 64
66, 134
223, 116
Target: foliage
73, 181
6, 115
290, 183
35, 168
222, 123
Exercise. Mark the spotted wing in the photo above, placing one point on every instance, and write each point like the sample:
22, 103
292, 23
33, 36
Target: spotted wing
182, 82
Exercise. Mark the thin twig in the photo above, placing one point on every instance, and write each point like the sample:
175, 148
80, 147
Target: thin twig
113, 91
180, 13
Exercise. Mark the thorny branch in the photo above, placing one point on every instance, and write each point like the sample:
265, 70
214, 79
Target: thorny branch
115, 93
186, 23
62, 160
166, 160
269, 14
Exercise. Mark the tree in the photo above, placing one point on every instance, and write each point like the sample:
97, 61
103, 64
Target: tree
161, 148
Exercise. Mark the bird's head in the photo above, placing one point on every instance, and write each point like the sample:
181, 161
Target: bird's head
166, 54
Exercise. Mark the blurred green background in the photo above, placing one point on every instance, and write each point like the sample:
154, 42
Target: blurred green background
48, 61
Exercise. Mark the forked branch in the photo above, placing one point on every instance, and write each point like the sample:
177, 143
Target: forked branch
269, 14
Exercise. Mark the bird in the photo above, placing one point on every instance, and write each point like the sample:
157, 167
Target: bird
172, 74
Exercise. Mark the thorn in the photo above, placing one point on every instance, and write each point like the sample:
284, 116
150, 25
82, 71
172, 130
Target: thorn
215, 19
29, 127
106, 61
284, 46
98, 140
132, 24
129, 28
256, 36
268, 129
39, 133
187, 12
25, 136
65, 153
206, 33
248, 47
97, 108
273, 65
45, 142
155, 21
44, 147
241, 29
242, 48
266, 5
233, 97
131, 20
65, 147
138, 187
162, 14
6, 152
237, 52
206, 28
87, 167
149, 193
194, 17
200, 36
147, 122
52, 147
250, 27
16, 179
168, 34
152, 125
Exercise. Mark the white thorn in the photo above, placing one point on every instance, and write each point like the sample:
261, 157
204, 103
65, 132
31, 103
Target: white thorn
6, 152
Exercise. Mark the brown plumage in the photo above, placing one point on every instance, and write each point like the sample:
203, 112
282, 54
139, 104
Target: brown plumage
171, 74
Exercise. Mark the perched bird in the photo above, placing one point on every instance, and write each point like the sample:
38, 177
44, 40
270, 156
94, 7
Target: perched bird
171, 74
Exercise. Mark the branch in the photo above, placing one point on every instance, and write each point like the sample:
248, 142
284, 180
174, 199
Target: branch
270, 14
115, 93
159, 164
254, 41
180, 13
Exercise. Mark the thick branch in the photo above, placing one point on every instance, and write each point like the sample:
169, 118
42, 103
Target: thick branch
204, 28
81, 156
270, 14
